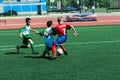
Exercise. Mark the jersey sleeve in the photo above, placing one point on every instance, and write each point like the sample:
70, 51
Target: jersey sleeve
41, 32
22, 29
68, 26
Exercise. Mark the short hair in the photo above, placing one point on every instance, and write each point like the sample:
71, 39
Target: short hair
49, 23
59, 19
27, 19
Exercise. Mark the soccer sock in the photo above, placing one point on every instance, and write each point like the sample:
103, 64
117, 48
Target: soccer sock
47, 51
63, 48
32, 47
44, 53
65, 52
54, 50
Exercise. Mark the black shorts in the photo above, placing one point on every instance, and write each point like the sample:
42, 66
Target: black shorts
25, 39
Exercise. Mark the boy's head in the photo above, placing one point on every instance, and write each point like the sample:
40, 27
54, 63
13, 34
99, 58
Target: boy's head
59, 20
49, 23
28, 21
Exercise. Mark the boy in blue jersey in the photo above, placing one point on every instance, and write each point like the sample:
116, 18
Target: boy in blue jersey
48, 38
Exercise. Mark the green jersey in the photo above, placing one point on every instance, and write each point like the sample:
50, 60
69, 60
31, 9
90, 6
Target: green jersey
25, 30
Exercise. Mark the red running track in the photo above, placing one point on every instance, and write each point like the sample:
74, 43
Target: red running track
40, 22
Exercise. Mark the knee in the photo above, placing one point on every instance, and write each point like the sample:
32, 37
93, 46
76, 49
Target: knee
31, 42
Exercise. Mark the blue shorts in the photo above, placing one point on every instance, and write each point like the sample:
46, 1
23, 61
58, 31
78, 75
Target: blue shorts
60, 40
49, 41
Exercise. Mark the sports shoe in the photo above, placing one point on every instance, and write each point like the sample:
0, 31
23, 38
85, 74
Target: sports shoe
65, 52
35, 53
17, 48
52, 58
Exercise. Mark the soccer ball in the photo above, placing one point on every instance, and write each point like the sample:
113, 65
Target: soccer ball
59, 51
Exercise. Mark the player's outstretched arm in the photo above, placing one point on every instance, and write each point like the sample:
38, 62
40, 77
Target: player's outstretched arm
74, 31
35, 31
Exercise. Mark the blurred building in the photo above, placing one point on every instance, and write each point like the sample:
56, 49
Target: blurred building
24, 6
117, 2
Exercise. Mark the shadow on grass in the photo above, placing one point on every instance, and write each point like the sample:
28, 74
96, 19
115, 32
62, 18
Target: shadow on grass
8, 53
37, 57
46, 57
11, 53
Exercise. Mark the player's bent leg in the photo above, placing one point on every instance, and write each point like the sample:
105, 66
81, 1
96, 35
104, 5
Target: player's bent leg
33, 50
23, 46
64, 50
61, 40
45, 52
53, 52
32, 47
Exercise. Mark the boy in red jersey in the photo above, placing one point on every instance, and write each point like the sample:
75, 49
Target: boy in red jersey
61, 31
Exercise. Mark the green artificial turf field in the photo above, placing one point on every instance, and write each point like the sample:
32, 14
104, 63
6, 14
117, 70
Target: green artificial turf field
93, 55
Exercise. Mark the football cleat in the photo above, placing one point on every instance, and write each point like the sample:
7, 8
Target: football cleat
65, 52
52, 58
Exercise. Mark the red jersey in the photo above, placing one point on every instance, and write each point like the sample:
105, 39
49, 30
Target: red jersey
61, 29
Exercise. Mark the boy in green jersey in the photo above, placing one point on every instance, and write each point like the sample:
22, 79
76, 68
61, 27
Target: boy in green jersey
25, 35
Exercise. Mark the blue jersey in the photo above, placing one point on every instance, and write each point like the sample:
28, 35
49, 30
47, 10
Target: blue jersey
48, 37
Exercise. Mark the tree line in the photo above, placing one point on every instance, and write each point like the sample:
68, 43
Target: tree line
77, 3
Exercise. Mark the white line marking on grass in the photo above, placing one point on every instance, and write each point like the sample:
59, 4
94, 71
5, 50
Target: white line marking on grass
7, 46
11, 47
6, 49
39, 45
99, 42
9, 34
